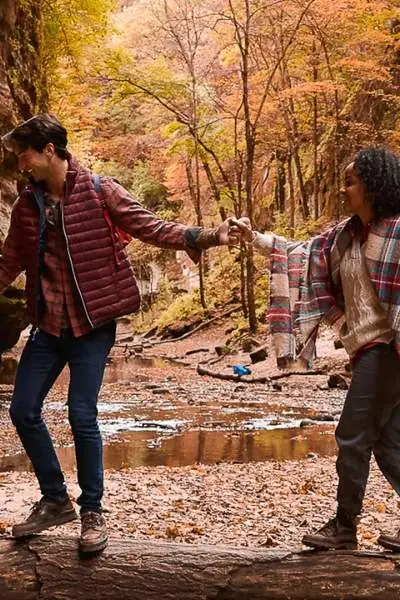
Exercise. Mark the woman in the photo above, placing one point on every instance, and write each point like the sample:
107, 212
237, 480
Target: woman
350, 276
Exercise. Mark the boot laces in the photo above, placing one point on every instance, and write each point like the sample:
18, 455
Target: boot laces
36, 507
330, 528
92, 520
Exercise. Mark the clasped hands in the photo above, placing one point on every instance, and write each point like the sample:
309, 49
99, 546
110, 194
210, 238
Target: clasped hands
232, 231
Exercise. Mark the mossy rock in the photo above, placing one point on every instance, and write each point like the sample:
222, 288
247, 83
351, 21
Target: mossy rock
180, 328
13, 318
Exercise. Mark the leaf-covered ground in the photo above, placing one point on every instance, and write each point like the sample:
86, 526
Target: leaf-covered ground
270, 503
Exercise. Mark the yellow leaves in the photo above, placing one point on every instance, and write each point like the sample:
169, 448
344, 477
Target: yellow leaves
181, 530
229, 56
197, 529
368, 535
311, 87
179, 504
307, 487
174, 531
365, 69
3, 526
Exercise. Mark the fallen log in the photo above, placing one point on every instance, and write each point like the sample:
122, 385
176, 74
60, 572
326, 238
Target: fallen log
50, 568
201, 326
245, 379
227, 377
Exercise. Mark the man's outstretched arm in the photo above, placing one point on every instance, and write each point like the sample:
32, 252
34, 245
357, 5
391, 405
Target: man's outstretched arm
141, 223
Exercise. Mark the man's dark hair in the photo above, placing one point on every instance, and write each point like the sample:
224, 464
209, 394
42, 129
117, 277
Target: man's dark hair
36, 133
379, 170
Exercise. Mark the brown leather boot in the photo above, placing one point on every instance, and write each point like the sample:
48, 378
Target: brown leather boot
94, 535
335, 535
391, 542
44, 514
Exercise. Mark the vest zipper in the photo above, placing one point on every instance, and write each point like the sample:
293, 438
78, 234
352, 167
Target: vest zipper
72, 266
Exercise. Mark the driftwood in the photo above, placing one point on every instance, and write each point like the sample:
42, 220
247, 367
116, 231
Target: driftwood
203, 324
212, 360
50, 568
245, 379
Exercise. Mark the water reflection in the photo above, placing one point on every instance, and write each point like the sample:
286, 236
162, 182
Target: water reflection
122, 369
116, 370
144, 448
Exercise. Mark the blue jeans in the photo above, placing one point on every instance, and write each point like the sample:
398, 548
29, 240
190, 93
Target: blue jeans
370, 422
42, 360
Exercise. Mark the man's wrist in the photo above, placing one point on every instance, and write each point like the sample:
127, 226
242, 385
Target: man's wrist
207, 238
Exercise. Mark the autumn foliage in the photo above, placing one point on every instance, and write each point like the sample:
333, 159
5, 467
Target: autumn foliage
230, 106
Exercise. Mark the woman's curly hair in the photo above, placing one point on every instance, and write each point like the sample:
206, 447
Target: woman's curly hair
379, 170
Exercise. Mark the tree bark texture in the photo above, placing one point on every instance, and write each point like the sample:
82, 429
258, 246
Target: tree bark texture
50, 568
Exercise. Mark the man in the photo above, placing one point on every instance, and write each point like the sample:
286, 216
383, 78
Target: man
64, 235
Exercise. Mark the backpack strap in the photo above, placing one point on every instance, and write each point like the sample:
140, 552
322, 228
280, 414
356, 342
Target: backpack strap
117, 234
96, 183
96, 180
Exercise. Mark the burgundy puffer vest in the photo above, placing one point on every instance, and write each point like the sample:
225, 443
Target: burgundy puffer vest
99, 264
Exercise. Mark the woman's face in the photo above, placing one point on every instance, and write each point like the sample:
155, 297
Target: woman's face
355, 193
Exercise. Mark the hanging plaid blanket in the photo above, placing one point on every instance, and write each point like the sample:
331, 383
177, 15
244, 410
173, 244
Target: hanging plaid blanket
305, 286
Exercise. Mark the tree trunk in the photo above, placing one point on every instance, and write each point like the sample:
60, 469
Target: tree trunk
243, 39
49, 568
315, 136
194, 195
292, 201
280, 196
299, 172
293, 137
243, 279
215, 189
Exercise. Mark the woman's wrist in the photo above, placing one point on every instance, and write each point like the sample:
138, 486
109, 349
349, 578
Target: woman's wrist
254, 235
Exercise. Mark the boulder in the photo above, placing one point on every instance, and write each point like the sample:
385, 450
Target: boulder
13, 318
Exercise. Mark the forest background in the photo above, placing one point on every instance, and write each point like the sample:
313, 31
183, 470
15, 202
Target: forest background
208, 108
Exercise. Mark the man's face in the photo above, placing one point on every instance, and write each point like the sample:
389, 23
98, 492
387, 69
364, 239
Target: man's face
37, 165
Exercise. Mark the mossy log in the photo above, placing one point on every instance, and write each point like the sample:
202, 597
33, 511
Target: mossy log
50, 568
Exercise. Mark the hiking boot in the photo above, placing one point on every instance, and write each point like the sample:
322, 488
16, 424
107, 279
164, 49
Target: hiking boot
94, 535
44, 514
334, 535
391, 542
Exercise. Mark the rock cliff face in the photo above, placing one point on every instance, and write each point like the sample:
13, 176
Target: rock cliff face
20, 27
20, 35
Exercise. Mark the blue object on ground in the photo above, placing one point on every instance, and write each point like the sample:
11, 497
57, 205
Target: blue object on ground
241, 370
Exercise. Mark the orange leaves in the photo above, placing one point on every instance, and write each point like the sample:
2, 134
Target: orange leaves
3, 526
183, 530
365, 69
311, 87
307, 487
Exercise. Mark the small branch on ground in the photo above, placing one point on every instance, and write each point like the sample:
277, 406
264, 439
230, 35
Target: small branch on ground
243, 379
